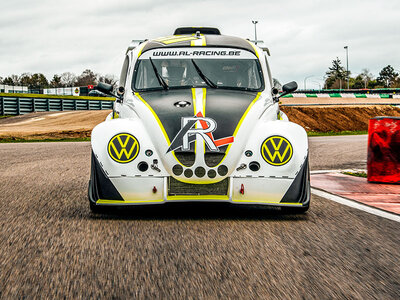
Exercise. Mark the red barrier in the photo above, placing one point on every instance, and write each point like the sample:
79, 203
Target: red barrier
384, 150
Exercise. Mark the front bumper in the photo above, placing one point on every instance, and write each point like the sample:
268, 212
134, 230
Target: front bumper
126, 190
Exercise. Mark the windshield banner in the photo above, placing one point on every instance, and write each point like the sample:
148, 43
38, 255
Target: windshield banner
198, 53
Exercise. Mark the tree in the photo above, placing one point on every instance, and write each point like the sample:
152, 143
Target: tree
68, 79
88, 77
336, 73
110, 79
366, 77
1, 80
11, 80
387, 76
38, 80
25, 79
56, 81
357, 83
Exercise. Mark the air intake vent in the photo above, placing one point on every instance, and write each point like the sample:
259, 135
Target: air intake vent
176, 187
193, 30
213, 159
186, 158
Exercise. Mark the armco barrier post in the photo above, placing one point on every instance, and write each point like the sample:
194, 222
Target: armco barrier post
384, 150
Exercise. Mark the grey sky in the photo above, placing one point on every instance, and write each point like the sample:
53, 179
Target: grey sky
303, 36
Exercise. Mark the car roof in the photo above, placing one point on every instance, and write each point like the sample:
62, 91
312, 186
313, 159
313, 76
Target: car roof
208, 40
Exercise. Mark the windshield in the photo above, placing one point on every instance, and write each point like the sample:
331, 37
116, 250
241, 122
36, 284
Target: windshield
154, 72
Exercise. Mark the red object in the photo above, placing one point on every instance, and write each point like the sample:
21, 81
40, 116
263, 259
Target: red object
90, 87
242, 189
154, 189
384, 150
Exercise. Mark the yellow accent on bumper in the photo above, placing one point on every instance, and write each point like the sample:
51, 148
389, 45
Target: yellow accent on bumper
105, 201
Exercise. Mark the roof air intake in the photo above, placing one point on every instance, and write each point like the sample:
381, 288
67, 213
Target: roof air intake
193, 30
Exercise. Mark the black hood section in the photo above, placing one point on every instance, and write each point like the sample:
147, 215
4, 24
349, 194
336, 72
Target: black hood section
162, 102
226, 107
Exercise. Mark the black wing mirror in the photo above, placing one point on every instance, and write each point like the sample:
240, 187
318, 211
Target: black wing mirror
105, 88
287, 88
108, 90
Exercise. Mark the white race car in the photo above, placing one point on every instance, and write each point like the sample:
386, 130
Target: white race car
196, 118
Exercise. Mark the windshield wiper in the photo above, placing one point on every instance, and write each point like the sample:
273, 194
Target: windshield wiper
161, 80
204, 77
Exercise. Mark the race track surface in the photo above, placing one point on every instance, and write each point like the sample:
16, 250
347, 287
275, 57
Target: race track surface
52, 246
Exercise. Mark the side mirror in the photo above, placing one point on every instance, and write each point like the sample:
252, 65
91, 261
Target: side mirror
287, 88
105, 88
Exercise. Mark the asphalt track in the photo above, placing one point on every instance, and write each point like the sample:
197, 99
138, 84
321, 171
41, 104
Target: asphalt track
51, 246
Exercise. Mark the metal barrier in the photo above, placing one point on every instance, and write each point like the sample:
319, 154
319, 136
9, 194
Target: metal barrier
19, 104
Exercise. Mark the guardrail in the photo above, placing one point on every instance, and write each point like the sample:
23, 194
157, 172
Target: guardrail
19, 104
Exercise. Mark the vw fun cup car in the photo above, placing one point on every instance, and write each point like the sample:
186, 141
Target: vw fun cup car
196, 118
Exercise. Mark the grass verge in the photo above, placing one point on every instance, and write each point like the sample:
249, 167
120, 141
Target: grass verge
329, 133
85, 139
357, 174
17, 140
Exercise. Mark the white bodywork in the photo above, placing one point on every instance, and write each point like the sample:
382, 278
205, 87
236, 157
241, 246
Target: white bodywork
261, 120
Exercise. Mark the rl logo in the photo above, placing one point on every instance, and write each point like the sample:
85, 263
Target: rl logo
188, 133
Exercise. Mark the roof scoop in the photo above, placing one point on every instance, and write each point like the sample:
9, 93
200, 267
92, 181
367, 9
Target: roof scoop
194, 30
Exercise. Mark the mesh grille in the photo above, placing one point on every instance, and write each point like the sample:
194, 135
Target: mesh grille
186, 158
213, 159
176, 187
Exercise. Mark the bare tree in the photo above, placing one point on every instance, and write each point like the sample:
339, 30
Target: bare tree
109, 78
88, 77
68, 79
366, 76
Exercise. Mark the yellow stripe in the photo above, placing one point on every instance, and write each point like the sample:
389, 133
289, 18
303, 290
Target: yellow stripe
254, 47
268, 202
204, 101
199, 197
175, 39
104, 201
160, 125
141, 48
240, 124
156, 117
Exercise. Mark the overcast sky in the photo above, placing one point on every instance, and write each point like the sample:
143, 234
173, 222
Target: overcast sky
303, 36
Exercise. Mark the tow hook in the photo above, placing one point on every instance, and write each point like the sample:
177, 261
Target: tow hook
154, 189
242, 189
241, 167
154, 165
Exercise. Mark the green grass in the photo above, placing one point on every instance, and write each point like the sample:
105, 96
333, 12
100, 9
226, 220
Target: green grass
357, 174
18, 140
329, 133
6, 116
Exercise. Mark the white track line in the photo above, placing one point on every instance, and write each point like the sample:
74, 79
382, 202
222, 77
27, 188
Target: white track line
356, 205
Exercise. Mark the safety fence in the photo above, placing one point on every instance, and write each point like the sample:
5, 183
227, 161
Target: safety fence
342, 95
19, 104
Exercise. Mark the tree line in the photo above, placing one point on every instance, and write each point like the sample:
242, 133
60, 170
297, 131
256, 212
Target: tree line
66, 79
337, 75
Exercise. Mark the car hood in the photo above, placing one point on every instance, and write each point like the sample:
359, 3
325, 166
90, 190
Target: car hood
224, 110
225, 107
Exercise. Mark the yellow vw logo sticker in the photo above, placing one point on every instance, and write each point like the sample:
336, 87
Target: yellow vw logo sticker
276, 150
123, 148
